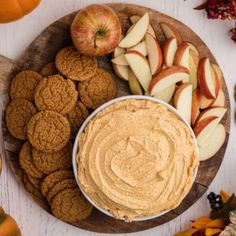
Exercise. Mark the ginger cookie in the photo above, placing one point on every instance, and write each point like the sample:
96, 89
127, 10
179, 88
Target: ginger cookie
55, 93
48, 131
18, 114
60, 186
53, 179
36, 182
74, 65
76, 117
34, 192
49, 69
26, 162
70, 205
24, 84
98, 90
50, 162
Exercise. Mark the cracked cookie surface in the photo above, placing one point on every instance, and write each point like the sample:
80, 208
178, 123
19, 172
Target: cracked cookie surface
24, 84
50, 162
55, 93
74, 65
48, 69
48, 131
26, 162
53, 179
70, 205
98, 90
76, 117
18, 114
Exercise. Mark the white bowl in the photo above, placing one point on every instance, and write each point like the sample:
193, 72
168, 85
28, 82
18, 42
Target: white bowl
76, 146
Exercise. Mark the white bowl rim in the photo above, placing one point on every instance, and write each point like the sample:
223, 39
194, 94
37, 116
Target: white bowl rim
115, 100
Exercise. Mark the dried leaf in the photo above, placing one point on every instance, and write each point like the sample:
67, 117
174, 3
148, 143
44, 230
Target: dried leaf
225, 196
202, 6
210, 232
189, 232
217, 223
201, 222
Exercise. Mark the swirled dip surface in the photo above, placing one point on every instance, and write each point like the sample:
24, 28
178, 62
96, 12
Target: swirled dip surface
136, 158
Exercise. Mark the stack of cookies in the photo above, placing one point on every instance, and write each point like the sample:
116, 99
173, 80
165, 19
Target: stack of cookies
46, 112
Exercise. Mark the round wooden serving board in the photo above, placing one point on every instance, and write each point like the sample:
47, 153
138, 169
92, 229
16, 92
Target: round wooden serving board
43, 50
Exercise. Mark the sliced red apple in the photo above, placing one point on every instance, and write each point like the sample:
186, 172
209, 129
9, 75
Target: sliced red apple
193, 66
166, 94
118, 51
219, 74
220, 100
154, 52
120, 60
150, 29
137, 33
183, 101
166, 77
205, 102
193, 49
196, 101
214, 111
205, 128
182, 55
169, 49
134, 84
206, 79
213, 144
140, 67
170, 31
121, 71
215, 81
140, 47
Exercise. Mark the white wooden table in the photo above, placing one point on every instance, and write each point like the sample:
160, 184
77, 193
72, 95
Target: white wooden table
15, 37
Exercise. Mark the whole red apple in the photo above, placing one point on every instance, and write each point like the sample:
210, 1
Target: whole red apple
96, 30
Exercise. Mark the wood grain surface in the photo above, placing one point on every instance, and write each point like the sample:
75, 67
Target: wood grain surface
43, 50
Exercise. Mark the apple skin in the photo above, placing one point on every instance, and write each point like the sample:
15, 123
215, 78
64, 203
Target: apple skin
96, 30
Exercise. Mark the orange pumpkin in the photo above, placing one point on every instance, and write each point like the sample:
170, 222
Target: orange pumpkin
11, 10
8, 225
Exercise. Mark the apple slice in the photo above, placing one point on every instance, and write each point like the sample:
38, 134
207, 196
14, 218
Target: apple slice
196, 101
146, 93
140, 67
214, 111
205, 102
206, 78
205, 128
118, 51
121, 71
120, 60
183, 101
213, 144
193, 66
193, 49
169, 49
137, 33
220, 100
166, 77
154, 52
150, 29
166, 94
140, 47
170, 31
219, 74
134, 84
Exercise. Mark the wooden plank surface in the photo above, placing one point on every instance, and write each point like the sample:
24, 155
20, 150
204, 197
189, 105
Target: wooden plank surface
165, 231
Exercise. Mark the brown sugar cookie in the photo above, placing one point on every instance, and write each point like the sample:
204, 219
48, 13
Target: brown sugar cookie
76, 117
60, 186
70, 205
55, 93
98, 90
18, 114
24, 84
50, 162
49, 69
34, 192
53, 179
48, 131
26, 162
74, 65
36, 182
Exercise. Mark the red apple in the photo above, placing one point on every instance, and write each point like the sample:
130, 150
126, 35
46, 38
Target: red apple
96, 30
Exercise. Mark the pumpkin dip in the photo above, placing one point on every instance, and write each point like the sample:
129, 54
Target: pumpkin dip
136, 158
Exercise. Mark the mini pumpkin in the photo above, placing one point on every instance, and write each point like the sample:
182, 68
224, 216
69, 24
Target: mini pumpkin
11, 10
8, 225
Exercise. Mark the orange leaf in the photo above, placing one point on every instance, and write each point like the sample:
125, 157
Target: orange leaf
225, 196
217, 223
201, 222
210, 232
189, 232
